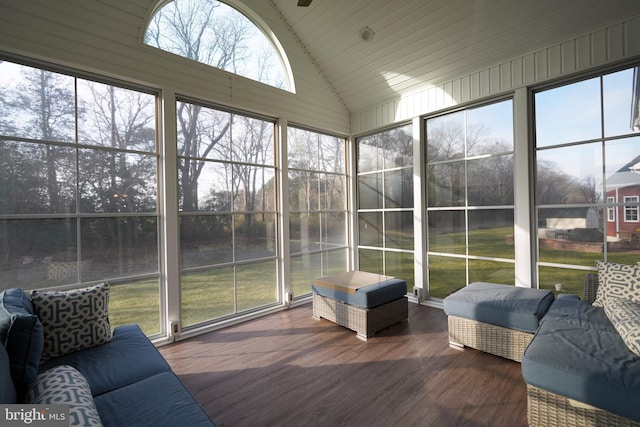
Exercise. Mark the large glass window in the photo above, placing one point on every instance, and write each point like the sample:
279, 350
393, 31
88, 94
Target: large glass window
227, 189
317, 207
586, 184
470, 197
216, 34
78, 191
385, 203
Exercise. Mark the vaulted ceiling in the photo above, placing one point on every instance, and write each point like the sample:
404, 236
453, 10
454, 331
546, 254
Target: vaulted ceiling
424, 42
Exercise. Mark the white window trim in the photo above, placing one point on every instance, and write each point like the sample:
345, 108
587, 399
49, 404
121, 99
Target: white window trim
631, 209
611, 211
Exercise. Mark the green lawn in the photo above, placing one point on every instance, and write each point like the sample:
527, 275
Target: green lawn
210, 294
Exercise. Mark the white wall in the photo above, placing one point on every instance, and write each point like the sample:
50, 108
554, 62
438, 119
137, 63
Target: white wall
104, 36
586, 51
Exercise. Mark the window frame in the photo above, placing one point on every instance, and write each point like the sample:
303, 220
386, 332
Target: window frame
467, 209
611, 210
555, 269
252, 17
382, 252
631, 212
324, 252
75, 280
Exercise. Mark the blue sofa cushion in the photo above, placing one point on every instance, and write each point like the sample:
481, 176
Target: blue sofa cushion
128, 358
578, 313
584, 358
369, 296
64, 385
22, 336
7, 389
501, 305
159, 400
73, 320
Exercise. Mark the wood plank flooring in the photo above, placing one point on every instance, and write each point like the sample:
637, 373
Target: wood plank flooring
288, 369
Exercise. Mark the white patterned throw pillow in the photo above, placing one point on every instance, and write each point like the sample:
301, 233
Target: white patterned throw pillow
625, 317
64, 385
73, 320
617, 281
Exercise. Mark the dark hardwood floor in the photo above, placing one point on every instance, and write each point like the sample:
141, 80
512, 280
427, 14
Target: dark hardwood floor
288, 369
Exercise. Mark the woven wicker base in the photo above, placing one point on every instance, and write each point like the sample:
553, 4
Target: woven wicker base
504, 342
366, 322
546, 409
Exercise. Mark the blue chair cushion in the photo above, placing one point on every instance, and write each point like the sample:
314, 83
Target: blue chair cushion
369, 296
583, 357
501, 305
22, 335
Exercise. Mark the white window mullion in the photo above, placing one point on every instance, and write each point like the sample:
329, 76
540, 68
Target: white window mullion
523, 240
419, 209
283, 240
169, 220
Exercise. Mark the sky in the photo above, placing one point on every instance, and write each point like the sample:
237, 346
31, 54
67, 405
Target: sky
575, 112
565, 114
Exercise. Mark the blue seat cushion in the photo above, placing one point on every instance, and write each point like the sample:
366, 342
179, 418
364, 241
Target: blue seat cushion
127, 358
22, 335
369, 296
7, 389
583, 357
160, 400
501, 305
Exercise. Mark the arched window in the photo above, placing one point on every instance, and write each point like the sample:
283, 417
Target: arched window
217, 34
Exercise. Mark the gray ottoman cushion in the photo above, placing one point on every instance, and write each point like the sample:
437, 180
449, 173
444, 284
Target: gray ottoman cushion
369, 296
501, 305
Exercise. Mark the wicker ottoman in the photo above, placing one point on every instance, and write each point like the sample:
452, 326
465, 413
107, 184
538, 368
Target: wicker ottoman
494, 318
360, 301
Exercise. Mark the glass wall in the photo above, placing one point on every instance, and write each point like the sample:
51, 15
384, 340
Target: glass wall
385, 203
470, 196
78, 191
587, 176
79, 197
317, 207
227, 202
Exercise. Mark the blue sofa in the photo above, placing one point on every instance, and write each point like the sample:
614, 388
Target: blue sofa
578, 369
131, 384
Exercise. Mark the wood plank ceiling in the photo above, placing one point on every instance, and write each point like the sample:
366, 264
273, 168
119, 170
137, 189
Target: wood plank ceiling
417, 43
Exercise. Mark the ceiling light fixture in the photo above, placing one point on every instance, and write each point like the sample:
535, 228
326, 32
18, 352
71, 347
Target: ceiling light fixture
366, 34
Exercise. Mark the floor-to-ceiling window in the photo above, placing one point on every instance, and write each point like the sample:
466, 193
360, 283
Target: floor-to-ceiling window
78, 188
317, 206
385, 203
587, 165
470, 193
227, 191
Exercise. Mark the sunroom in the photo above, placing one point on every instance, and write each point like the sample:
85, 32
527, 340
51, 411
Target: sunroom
210, 159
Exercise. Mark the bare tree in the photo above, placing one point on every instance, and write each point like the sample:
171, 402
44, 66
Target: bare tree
197, 30
45, 104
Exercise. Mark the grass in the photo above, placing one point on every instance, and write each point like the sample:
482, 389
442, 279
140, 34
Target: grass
211, 294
